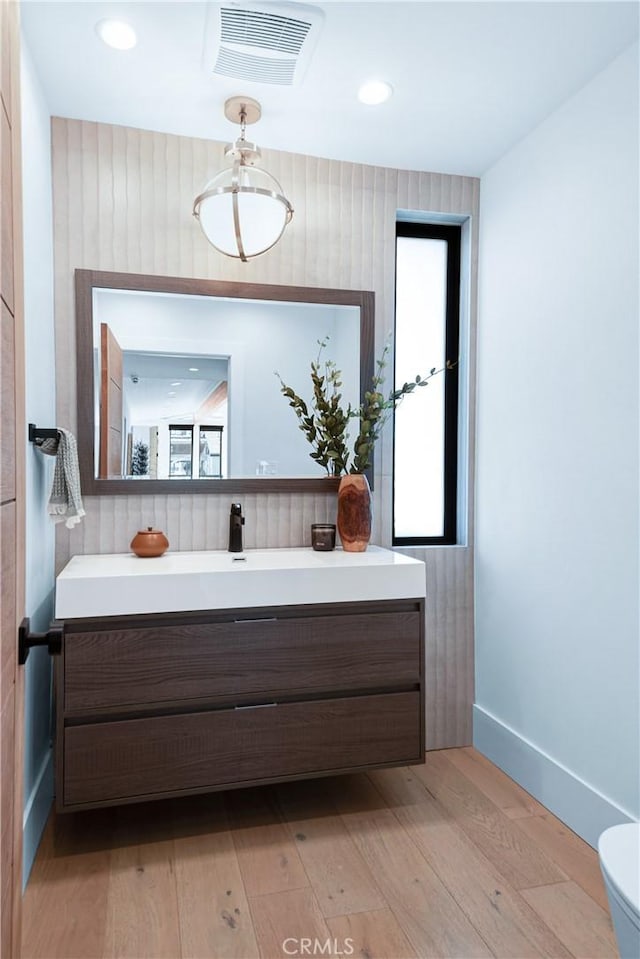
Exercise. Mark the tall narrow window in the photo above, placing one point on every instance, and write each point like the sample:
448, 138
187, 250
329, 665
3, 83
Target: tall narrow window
426, 423
210, 453
181, 451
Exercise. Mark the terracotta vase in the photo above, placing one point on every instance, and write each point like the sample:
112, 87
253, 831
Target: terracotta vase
149, 542
354, 512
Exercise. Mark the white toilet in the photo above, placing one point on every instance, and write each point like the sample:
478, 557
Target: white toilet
619, 849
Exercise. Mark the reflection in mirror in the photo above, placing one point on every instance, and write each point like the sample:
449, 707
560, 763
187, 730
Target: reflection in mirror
168, 406
182, 376
172, 365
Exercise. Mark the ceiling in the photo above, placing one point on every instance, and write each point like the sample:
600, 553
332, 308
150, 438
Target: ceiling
470, 78
160, 386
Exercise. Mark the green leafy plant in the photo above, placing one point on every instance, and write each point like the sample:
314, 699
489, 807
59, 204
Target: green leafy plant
325, 425
140, 459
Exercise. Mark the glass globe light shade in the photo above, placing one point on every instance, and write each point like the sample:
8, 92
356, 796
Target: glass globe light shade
242, 211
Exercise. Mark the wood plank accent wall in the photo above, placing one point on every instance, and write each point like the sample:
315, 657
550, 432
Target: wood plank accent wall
12, 520
122, 201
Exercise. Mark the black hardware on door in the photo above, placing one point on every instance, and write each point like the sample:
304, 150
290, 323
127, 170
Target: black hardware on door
52, 639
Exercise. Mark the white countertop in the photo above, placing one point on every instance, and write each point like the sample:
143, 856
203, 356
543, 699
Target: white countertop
119, 584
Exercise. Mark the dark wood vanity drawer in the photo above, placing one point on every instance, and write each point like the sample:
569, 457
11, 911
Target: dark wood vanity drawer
232, 661
137, 758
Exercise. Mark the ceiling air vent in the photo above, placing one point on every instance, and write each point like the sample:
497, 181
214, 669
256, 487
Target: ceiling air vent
263, 43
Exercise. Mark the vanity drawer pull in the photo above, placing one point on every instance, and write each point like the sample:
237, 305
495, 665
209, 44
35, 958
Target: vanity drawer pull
264, 619
256, 706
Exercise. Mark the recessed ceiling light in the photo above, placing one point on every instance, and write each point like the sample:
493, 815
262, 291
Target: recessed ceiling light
194, 369
374, 92
176, 384
171, 394
117, 34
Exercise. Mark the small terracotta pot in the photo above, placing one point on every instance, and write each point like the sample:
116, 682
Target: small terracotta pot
149, 542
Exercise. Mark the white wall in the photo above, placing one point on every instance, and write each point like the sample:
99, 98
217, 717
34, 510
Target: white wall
557, 673
40, 409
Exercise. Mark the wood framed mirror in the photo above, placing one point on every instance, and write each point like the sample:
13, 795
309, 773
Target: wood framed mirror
176, 384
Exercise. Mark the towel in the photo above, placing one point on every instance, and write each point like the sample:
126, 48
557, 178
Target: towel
65, 501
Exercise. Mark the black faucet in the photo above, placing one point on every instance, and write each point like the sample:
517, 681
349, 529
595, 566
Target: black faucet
236, 522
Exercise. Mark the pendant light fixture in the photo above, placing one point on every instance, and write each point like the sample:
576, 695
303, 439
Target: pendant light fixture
242, 211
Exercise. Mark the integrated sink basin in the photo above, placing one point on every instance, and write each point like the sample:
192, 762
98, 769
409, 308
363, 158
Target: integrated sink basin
120, 584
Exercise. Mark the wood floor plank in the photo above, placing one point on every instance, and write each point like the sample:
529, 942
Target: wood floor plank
516, 857
425, 855
338, 875
307, 798
374, 935
142, 912
353, 794
507, 923
65, 904
569, 851
283, 919
429, 916
213, 911
399, 787
514, 801
142, 908
583, 926
267, 854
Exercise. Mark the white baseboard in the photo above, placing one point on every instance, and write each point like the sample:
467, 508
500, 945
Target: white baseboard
578, 804
36, 812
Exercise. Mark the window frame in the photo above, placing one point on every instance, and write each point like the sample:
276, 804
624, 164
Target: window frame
452, 234
185, 428
217, 430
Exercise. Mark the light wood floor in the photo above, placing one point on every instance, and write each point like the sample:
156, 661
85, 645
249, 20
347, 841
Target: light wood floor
447, 859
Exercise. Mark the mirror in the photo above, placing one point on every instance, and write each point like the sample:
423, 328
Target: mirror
180, 373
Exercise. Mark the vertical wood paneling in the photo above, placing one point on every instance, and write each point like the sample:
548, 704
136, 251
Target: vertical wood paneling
6, 212
12, 498
448, 643
7, 405
7, 605
7, 819
123, 201
6, 56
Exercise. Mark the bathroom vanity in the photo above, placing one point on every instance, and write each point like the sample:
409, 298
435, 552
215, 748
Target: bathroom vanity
201, 671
